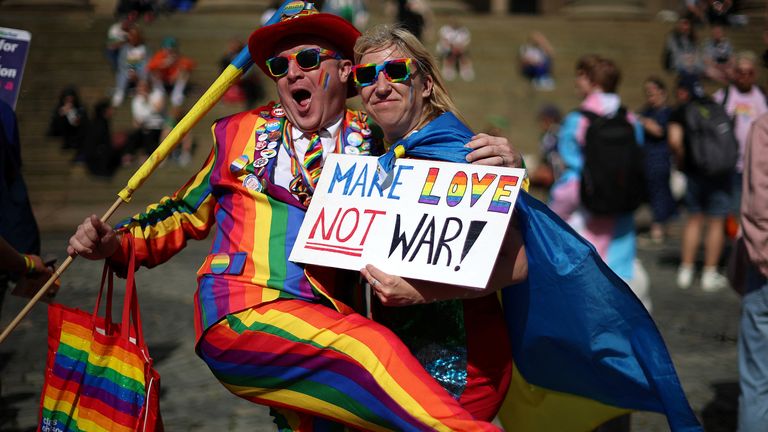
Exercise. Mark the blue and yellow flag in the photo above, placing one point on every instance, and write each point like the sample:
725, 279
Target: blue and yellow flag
585, 348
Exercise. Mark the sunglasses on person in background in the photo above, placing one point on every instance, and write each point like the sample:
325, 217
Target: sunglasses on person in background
307, 59
396, 71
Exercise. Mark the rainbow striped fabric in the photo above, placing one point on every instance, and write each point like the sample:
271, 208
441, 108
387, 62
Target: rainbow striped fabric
94, 382
314, 361
255, 228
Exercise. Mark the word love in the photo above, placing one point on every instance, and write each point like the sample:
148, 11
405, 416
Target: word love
360, 182
457, 189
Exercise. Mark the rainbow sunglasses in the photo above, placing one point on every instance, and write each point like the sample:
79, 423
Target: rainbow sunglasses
396, 71
307, 59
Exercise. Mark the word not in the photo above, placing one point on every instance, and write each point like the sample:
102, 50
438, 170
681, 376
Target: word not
460, 183
345, 234
426, 231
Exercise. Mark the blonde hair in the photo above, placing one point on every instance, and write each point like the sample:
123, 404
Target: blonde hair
384, 36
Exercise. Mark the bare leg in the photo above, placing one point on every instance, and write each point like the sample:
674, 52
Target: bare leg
691, 239
713, 243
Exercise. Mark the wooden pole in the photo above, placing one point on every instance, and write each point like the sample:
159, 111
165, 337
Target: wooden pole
59, 271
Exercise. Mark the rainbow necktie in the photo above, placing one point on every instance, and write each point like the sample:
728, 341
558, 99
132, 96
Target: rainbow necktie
306, 175
313, 160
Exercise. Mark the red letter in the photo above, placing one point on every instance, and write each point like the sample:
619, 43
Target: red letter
321, 220
354, 228
374, 213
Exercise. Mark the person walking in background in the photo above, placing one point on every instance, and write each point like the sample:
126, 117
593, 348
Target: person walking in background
753, 331
536, 57
708, 196
654, 116
744, 101
612, 233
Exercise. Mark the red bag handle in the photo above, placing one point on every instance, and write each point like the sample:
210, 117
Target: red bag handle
131, 327
108, 323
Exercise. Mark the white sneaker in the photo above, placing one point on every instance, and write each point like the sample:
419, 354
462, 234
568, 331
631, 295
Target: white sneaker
712, 281
684, 277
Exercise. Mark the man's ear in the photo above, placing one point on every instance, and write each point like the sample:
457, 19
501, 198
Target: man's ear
345, 69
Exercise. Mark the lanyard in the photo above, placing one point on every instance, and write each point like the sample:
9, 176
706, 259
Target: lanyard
297, 167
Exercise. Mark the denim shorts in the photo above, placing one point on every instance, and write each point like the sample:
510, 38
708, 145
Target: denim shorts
711, 195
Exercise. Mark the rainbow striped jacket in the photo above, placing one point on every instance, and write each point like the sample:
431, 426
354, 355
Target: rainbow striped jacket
256, 220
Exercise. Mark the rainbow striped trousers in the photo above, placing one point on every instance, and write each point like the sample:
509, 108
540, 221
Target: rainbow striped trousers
308, 360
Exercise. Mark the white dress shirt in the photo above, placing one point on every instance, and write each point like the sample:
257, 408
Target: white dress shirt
328, 136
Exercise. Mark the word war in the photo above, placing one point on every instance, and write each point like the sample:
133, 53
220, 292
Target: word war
451, 230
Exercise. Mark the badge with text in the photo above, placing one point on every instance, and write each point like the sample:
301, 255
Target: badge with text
14, 45
437, 221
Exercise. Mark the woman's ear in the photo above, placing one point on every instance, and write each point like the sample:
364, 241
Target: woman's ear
428, 83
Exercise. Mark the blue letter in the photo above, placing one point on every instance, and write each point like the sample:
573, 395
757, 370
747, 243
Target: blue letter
337, 176
396, 181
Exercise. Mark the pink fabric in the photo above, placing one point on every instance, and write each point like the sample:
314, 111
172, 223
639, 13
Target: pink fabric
565, 199
599, 232
754, 199
745, 108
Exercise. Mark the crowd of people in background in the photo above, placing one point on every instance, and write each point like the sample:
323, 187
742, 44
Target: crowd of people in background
667, 131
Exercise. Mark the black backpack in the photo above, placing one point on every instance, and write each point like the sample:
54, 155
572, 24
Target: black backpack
613, 178
711, 141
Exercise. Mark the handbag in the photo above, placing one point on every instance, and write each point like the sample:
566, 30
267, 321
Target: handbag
99, 375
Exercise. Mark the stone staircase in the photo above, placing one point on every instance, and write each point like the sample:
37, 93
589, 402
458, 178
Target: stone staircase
67, 48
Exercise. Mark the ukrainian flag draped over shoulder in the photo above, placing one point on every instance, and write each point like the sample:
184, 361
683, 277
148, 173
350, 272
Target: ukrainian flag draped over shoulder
585, 347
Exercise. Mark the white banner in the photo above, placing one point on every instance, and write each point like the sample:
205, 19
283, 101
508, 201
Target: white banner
437, 221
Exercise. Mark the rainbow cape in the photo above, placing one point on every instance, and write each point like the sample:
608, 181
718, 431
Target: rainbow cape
585, 348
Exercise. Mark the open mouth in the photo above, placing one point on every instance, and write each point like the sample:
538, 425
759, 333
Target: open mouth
302, 97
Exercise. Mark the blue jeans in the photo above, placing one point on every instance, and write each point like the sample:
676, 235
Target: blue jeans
753, 355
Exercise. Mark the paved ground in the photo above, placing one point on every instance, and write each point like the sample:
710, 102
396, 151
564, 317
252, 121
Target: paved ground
700, 330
